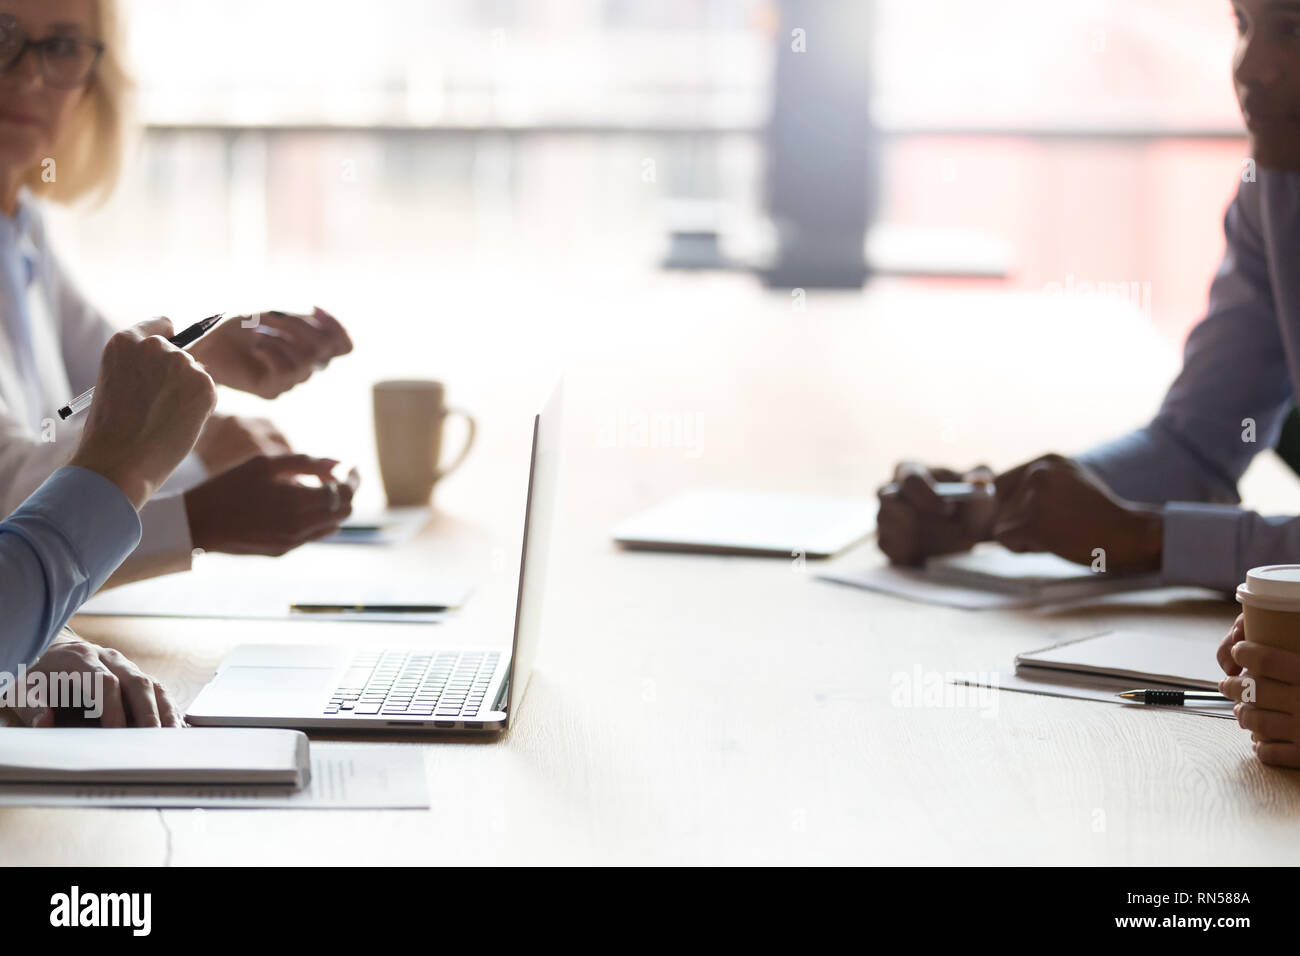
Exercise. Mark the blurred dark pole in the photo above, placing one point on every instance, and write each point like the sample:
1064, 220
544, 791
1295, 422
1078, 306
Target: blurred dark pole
823, 165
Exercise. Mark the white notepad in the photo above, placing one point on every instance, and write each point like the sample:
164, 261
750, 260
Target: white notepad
72, 755
1182, 660
738, 522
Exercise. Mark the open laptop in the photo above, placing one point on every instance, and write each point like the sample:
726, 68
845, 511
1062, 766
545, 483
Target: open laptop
424, 689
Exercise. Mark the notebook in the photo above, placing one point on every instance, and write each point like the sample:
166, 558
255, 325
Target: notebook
757, 523
1041, 577
73, 755
1184, 660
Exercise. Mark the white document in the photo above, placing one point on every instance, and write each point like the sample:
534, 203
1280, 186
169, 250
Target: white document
1040, 577
1087, 687
989, 576
343, 776
145, 755
253, 588
739, 522
916, 585
1185, 660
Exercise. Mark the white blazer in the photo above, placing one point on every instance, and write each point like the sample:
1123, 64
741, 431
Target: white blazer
67, 335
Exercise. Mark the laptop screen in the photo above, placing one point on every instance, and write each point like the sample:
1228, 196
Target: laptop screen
539, 515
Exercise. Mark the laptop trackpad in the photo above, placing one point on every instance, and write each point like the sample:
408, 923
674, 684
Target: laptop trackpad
273, 691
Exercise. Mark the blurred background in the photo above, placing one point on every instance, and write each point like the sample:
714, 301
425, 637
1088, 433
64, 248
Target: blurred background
1097, 140
480, 187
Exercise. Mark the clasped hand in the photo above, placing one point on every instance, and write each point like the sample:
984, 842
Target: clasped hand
1265, 682
1048, 504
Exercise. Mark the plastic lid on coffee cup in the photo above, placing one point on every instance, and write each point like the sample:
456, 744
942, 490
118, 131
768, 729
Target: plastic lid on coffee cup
1274, 587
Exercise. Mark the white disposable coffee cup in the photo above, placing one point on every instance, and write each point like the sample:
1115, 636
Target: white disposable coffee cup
1270, 602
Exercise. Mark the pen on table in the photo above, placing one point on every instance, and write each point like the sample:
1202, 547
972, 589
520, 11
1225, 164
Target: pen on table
181, 339
368, 608
1174, 698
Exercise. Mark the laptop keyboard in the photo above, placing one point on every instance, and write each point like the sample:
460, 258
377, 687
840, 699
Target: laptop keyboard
415, 684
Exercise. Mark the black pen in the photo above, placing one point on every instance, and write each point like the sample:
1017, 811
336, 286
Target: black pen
368, 608
1172, 698
180, 340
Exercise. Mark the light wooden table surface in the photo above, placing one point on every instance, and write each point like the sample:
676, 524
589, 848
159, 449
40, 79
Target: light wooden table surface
696, 709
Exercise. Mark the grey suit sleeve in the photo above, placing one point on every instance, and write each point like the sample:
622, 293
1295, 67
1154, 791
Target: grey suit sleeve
1227, 403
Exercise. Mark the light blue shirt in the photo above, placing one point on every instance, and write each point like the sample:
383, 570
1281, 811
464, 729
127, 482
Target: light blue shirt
1241, 367
56, 550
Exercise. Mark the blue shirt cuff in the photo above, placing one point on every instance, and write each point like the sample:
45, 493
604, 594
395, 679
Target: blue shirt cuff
93, 516
1201, 545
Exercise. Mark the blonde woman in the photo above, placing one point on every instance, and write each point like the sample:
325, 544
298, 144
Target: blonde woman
63, 93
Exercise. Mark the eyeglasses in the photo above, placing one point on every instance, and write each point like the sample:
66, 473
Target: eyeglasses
65, 62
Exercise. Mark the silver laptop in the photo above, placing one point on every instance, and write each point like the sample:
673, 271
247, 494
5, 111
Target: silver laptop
425, 689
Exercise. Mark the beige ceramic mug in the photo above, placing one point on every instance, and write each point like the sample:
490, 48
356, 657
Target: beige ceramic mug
409, 419
1270, 601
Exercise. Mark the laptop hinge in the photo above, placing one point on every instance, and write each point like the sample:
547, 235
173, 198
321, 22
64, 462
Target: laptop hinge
503, 695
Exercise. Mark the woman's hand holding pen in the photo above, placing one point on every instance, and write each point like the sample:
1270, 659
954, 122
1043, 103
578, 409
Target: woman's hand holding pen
270, 353
151, 400
1265, 681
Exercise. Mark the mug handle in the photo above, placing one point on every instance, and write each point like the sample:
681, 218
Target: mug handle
469, 443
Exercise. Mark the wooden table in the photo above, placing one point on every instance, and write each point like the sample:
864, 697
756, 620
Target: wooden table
696, 709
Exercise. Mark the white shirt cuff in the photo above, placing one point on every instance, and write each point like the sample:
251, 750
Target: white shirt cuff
1201, 545
190, 473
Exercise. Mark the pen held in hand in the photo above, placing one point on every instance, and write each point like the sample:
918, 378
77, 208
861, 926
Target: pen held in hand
182, 339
